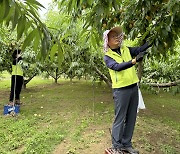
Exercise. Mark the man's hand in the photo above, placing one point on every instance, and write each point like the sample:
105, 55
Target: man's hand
134, 61
139, 57
19, 55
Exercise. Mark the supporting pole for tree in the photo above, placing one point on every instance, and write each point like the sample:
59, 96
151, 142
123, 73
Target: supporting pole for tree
93, 98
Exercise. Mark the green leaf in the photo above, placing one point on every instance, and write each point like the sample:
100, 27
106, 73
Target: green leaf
132, 34
21, 26
33, 14
29, 39
54, 49
36, 41
144, 35
6, 8
157, 42
96, 36
77, 3
100, 10
15, 18
73, 6
90, 2
43, 48
36, 3
164, 32
60, 55
65, 36
168, 28
47, 37
81, 1
8, 18
93, 41
114, 5
27, 26
1, 10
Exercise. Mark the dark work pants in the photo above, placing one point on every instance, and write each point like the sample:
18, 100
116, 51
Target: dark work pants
126, 103
19, 83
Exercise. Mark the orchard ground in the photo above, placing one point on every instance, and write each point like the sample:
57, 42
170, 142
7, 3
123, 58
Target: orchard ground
75, 117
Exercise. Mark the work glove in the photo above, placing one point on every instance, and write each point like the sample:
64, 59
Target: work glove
139, 57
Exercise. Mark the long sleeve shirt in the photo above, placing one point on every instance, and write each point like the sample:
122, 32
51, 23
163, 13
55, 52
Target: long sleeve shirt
16, 60
134, 51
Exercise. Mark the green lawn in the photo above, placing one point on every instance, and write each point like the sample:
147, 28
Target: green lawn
74, 118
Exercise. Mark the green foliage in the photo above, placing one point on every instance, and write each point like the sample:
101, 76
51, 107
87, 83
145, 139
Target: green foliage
72, 37
156, 21
6, 48
5, 58
31, 65
163, 70
78, 53
23, 17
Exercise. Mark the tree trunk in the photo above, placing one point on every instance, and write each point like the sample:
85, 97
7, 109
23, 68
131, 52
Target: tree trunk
140, 70
103, 77
56, 74
71, 76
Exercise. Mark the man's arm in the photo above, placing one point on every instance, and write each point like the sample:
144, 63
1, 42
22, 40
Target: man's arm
112, 64
136, 50
16, 60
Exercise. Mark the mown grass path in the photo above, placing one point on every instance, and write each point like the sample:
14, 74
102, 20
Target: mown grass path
74, 118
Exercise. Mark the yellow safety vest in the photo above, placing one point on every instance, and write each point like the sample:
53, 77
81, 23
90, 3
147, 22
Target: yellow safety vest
17, 70
125, 77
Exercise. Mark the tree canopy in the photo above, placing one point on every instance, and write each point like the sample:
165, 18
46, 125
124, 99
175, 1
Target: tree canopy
70, 38
153, 20
23, 17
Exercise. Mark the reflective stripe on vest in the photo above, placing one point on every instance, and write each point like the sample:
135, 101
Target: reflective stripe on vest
125, 77
17, 70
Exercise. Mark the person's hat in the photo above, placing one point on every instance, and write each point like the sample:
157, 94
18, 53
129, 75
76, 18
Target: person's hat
117, 29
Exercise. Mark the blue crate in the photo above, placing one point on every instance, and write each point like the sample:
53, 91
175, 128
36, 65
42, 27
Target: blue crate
8, 109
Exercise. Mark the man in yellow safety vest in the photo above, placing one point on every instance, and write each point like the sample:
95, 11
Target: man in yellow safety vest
118, 59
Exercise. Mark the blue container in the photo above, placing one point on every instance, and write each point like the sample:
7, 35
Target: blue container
8, 109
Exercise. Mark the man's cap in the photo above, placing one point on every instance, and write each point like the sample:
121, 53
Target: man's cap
117, 29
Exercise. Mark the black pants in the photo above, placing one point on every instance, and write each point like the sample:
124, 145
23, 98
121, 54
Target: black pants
18, 87
126, 103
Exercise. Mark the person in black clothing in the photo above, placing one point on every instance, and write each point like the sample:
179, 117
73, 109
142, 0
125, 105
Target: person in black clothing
16, 79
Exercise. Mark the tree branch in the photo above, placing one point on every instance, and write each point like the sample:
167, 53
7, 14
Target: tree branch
106, 80
51, 75
170, 84
26, 81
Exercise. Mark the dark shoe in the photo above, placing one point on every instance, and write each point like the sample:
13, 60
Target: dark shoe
130, 150
17, 102
10, 104
117, 151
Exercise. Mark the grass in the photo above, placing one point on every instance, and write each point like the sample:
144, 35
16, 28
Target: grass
73, 118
